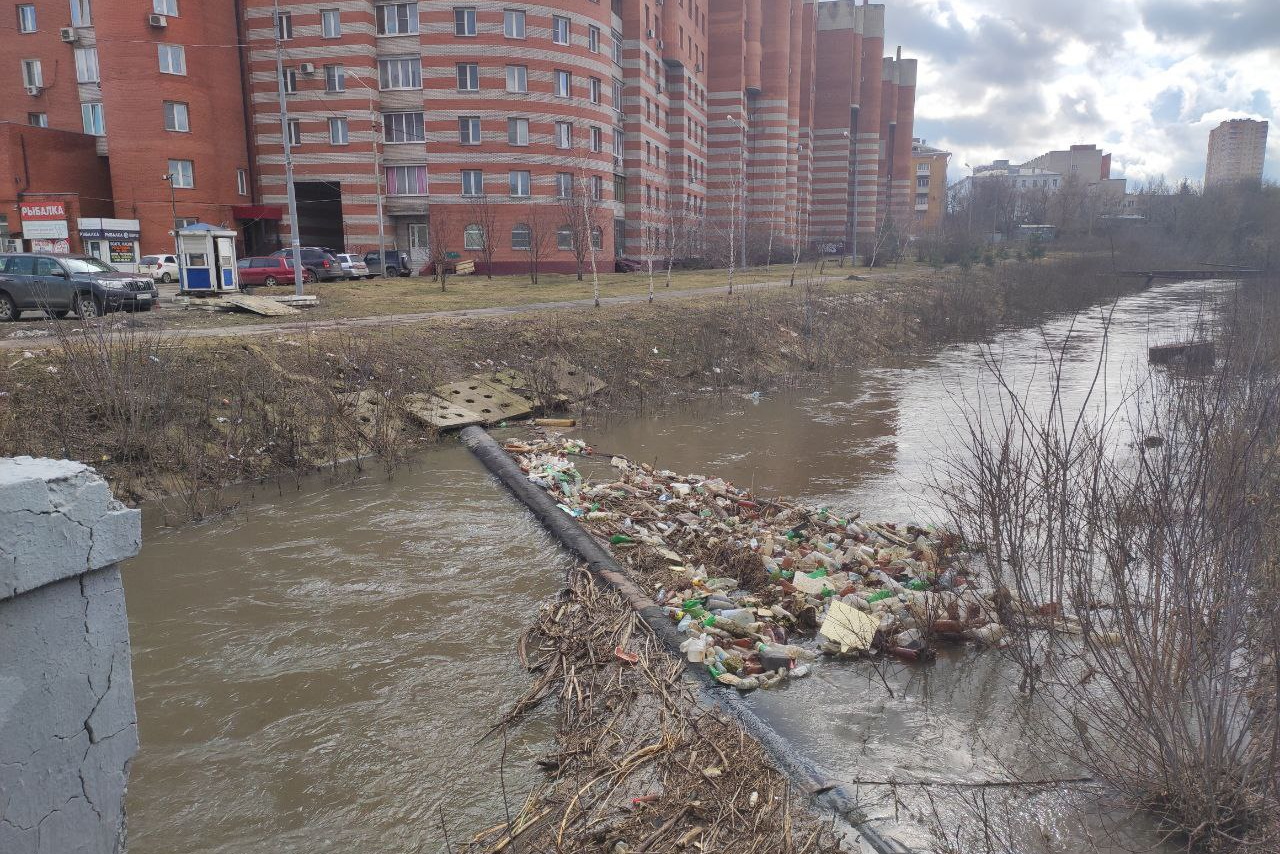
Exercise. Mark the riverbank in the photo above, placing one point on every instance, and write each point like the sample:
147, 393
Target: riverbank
163, 416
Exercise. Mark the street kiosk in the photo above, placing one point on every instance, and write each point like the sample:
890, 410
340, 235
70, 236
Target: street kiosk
207, 260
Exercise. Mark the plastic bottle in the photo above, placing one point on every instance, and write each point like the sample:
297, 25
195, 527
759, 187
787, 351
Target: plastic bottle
694, 649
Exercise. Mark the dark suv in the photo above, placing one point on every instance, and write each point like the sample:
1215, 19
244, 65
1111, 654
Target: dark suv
59, 284
397, 263
322, 263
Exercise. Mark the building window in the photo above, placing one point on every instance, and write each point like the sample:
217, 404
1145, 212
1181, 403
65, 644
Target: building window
284, 25
173, 58
597, 238
403, 127
165, 7
400, 72
406, 180
184, 221
564, 185
518, 79
397, 19
617, 47
38, 120
559, 29
81, 14
464, 21
32, 73
564, 238
242, 181
521, 237
922, 182
469, 130
335, 78
597, 188
26, 18
468, 77
87, 65
295, 132
331, 23
513, 23
182, 174
564, 84
339, 131
291, 81
518, 179
595, 90
619, 141
564, 134
472, 182
473, 238
517, 131
617, 96
597, 140
593, 39
176, 117
94, 121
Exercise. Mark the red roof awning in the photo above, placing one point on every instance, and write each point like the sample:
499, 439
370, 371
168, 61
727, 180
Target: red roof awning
257, 212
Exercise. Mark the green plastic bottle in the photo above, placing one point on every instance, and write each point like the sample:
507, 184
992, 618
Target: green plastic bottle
620, 540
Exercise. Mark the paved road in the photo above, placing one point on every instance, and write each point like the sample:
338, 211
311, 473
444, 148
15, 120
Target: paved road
304, 326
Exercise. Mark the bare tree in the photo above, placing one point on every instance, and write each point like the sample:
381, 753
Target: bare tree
440, 230
581, 210
542, 231
484, 213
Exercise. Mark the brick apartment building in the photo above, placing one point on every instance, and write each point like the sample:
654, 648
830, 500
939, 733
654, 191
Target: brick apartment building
754, 117
151, 90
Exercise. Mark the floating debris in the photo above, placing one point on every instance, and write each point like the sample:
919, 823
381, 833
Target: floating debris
762, 587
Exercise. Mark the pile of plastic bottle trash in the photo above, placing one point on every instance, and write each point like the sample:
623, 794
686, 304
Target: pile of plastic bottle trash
821, 583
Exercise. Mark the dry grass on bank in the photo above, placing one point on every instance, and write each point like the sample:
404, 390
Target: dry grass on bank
164, 416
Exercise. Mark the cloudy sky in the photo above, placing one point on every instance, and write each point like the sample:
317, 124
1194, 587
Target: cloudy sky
1144, 79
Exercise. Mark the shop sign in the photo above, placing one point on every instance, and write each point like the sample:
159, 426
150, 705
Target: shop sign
44, 221
122, 253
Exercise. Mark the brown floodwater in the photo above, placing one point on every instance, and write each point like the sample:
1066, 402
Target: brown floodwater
315, 671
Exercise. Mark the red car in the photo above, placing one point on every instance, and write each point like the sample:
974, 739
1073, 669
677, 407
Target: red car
269, 271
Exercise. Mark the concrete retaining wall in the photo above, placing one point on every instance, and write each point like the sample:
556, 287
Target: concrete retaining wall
68, 726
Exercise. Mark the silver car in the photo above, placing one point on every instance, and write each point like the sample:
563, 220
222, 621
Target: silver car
353, 266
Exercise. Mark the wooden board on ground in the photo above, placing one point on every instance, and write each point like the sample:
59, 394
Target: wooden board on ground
439, 413
494, 403
570, 381
465, 268
296, 300
259, 305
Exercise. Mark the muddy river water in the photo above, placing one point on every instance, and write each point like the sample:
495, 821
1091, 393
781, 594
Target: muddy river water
315, 671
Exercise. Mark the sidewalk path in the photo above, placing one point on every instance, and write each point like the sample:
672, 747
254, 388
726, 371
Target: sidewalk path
305, 326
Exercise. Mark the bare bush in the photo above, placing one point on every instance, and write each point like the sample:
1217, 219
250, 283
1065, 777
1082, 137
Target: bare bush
1133, 547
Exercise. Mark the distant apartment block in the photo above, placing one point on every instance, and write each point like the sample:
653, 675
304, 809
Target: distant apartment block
486, 119
929, 165
1237, 150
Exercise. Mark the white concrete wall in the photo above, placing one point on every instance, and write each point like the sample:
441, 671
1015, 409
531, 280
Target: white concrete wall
68, 727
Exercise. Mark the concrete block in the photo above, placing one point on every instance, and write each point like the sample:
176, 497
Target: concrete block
58, 519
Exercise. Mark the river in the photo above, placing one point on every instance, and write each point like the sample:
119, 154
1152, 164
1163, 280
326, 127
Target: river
315, 672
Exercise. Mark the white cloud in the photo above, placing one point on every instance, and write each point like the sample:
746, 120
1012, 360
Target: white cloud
1144, 79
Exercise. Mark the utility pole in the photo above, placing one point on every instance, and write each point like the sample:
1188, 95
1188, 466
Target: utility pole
375, 121
295, 240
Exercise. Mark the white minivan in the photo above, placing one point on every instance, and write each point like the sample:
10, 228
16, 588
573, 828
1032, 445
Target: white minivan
161, 268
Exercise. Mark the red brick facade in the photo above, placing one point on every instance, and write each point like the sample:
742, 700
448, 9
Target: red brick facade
451, 116
121, 109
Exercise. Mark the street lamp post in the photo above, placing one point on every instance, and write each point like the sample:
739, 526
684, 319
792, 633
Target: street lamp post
177, 241
295, 239
739, 185
376, 125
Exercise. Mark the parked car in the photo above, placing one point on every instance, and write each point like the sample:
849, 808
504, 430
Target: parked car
60, 284
323, 264
627, 265
269, 271
397, 263
161, 268
353, 266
